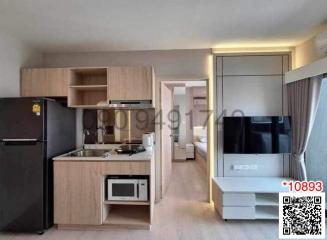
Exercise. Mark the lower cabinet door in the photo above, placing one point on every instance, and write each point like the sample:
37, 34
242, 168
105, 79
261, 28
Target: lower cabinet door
77, 193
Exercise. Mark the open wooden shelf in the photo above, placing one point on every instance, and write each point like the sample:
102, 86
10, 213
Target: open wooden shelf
127, 202
130, 214
127, 215
86, 98
87, 87
89, 76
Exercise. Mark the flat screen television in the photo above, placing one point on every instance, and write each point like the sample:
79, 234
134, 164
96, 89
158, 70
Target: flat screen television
257, 135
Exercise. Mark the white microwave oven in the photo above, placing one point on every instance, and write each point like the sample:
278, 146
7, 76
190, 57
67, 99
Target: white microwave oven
126, 188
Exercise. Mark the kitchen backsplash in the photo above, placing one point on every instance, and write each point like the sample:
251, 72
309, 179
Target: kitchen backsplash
117, 125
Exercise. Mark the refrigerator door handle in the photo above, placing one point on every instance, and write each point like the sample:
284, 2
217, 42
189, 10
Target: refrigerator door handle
19, 141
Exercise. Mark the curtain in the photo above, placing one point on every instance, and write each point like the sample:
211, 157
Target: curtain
303, 99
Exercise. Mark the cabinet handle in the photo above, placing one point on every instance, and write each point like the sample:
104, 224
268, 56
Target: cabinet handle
138, 190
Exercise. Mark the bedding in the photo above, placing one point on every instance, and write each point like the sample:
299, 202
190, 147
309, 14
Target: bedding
198, 133
203, 139
201, 148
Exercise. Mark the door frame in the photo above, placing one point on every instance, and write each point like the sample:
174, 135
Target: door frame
163, 110
176, 82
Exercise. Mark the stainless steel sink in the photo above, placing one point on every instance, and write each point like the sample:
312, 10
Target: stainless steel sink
90, 153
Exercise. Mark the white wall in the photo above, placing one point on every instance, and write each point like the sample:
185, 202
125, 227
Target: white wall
165, 62
14, 55
254, 85
305, 53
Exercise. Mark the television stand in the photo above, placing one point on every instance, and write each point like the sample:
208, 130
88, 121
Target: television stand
247, 197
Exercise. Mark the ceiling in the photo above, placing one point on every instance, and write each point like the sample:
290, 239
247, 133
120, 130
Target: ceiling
110, 25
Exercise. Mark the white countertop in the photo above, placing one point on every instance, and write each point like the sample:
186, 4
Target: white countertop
112, 156
251, 184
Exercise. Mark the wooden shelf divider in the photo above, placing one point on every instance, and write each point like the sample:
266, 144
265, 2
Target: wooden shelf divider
89, 87
127, 203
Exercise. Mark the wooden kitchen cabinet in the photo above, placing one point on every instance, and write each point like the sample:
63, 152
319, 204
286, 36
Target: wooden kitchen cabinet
87, 87
77, 193
130, 83
44, 82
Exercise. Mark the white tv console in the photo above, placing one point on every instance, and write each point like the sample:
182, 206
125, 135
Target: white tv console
247, 197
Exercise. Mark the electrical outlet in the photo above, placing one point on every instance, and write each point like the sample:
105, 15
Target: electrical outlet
253, 167
240, 167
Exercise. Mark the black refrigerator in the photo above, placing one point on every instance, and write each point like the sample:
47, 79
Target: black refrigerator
32, 132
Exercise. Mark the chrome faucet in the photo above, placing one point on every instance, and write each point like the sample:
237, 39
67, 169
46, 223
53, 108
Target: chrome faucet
103, 132
85, 133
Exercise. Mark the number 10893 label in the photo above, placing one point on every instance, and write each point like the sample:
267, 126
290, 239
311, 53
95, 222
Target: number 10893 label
302, 210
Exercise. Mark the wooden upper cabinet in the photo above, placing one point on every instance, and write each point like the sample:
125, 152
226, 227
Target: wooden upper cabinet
86, 87
44, 82
130, 83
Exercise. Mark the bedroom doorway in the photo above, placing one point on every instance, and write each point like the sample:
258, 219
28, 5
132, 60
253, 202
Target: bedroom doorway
184, 106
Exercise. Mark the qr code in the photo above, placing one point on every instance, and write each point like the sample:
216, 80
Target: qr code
302, 215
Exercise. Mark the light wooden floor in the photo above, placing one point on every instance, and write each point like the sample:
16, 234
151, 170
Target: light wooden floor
182, 214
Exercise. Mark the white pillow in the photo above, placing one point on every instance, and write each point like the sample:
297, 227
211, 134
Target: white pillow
203, 139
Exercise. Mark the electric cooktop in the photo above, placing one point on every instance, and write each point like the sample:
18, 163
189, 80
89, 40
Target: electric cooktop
130, 149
